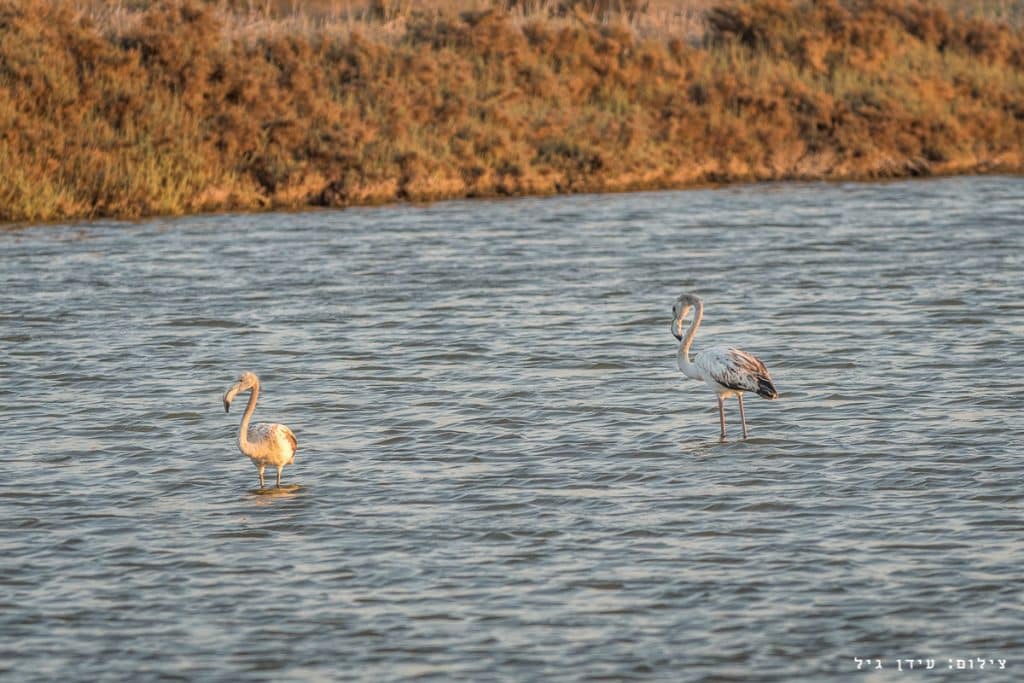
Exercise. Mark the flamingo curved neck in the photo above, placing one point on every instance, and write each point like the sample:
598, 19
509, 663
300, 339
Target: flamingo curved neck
243, 430
683, 356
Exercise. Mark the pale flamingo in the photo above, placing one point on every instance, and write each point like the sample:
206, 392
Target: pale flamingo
265, 444
728, 371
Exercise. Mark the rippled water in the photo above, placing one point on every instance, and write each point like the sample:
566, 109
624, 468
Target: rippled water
501, 474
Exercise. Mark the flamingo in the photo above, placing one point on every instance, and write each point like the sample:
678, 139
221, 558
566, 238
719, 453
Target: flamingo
265, 444
728, 371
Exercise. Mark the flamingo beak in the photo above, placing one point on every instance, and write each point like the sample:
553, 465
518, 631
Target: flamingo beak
229, 396
677, 328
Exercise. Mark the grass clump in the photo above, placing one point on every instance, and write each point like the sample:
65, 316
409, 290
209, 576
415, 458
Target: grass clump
176, 107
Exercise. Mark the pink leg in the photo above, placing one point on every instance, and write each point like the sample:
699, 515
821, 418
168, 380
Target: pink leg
721, 414
743, 418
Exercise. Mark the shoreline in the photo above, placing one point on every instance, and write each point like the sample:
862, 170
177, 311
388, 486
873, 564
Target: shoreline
15, 226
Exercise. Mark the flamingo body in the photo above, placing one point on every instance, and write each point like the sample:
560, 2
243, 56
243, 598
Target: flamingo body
270, 444
263, 443
726, 370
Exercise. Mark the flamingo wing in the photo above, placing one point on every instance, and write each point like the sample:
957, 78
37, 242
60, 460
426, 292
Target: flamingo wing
737, 370
289, 436
261, 433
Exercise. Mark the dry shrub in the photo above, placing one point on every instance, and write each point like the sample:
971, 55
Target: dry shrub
600, 9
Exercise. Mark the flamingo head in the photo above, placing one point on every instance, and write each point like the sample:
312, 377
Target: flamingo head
680, 309
246, 381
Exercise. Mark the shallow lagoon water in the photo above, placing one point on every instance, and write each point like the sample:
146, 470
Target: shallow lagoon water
501, 474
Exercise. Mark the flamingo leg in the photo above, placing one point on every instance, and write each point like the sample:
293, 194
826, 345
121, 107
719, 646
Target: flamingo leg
743, 418
721, 414
279, 468
260, 467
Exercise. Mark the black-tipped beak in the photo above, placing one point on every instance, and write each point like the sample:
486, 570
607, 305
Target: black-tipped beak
229, 396
677, 329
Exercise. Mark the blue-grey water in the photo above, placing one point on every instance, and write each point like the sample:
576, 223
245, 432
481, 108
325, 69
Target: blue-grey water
501, 474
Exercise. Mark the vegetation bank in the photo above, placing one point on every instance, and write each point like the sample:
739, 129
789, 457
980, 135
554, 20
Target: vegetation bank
178, 107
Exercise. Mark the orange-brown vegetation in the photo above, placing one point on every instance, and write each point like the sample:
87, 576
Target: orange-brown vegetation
171, 107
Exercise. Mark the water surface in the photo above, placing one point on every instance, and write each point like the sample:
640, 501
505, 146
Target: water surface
501, 474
